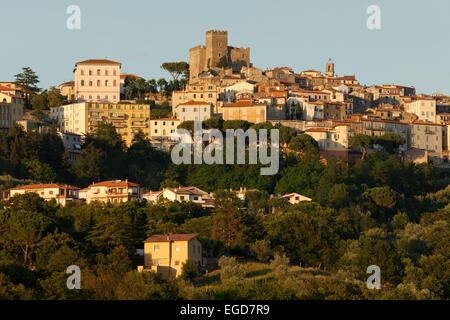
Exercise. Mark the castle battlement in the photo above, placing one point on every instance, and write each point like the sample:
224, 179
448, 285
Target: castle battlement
204, 58
217, 32
197, 47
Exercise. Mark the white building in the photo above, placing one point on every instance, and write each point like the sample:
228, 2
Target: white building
71, 117
240, 87
194, 111
97, 80
181, 194
61, 193
423, 108
295, 198
72, 142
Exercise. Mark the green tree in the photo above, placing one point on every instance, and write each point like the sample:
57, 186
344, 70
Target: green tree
28, 80
227, 225
189, 270
176, 68
54, 97
361, 141
390, 142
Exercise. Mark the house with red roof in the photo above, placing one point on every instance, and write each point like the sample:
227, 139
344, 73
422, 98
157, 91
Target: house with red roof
61, 193
114, 191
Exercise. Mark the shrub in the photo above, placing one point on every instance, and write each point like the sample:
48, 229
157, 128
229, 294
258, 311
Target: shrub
230, 269
261, 250
189, 270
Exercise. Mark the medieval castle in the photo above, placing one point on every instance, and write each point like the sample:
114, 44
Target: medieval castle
204, 58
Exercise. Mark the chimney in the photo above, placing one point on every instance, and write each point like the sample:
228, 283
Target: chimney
168, 237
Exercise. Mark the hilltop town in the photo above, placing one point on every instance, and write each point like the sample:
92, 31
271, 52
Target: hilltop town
363, 168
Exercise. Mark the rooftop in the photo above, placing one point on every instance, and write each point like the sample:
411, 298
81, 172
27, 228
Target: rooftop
171, 237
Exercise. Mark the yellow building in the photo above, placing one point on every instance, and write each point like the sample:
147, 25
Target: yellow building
331, 138
68, 89
82, 118
11, 109
204, 92
15, 89
245, 110
128, 119
167, 253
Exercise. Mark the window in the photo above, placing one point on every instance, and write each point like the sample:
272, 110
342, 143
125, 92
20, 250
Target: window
98, 72
90, 83
177, 248
106, 83
82, 82
98, 83
156, 248
177, 263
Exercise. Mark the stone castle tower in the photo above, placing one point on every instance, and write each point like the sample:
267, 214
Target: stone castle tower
329, 68
204, 58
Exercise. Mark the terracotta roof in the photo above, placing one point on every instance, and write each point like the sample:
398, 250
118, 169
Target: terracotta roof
44, 186
68, 83
114, 183
293, 194
245, 191
192, 103
188, 190
152, 192
240, 103
124, 75
171, 237
427, 123
4, 88
97, 61
316, 130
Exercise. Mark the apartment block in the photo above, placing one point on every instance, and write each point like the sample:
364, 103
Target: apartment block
161, 131
82, 118
247, 110
72, 142
432, 137
423, 108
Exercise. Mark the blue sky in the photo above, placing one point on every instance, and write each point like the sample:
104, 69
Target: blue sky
412, 48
